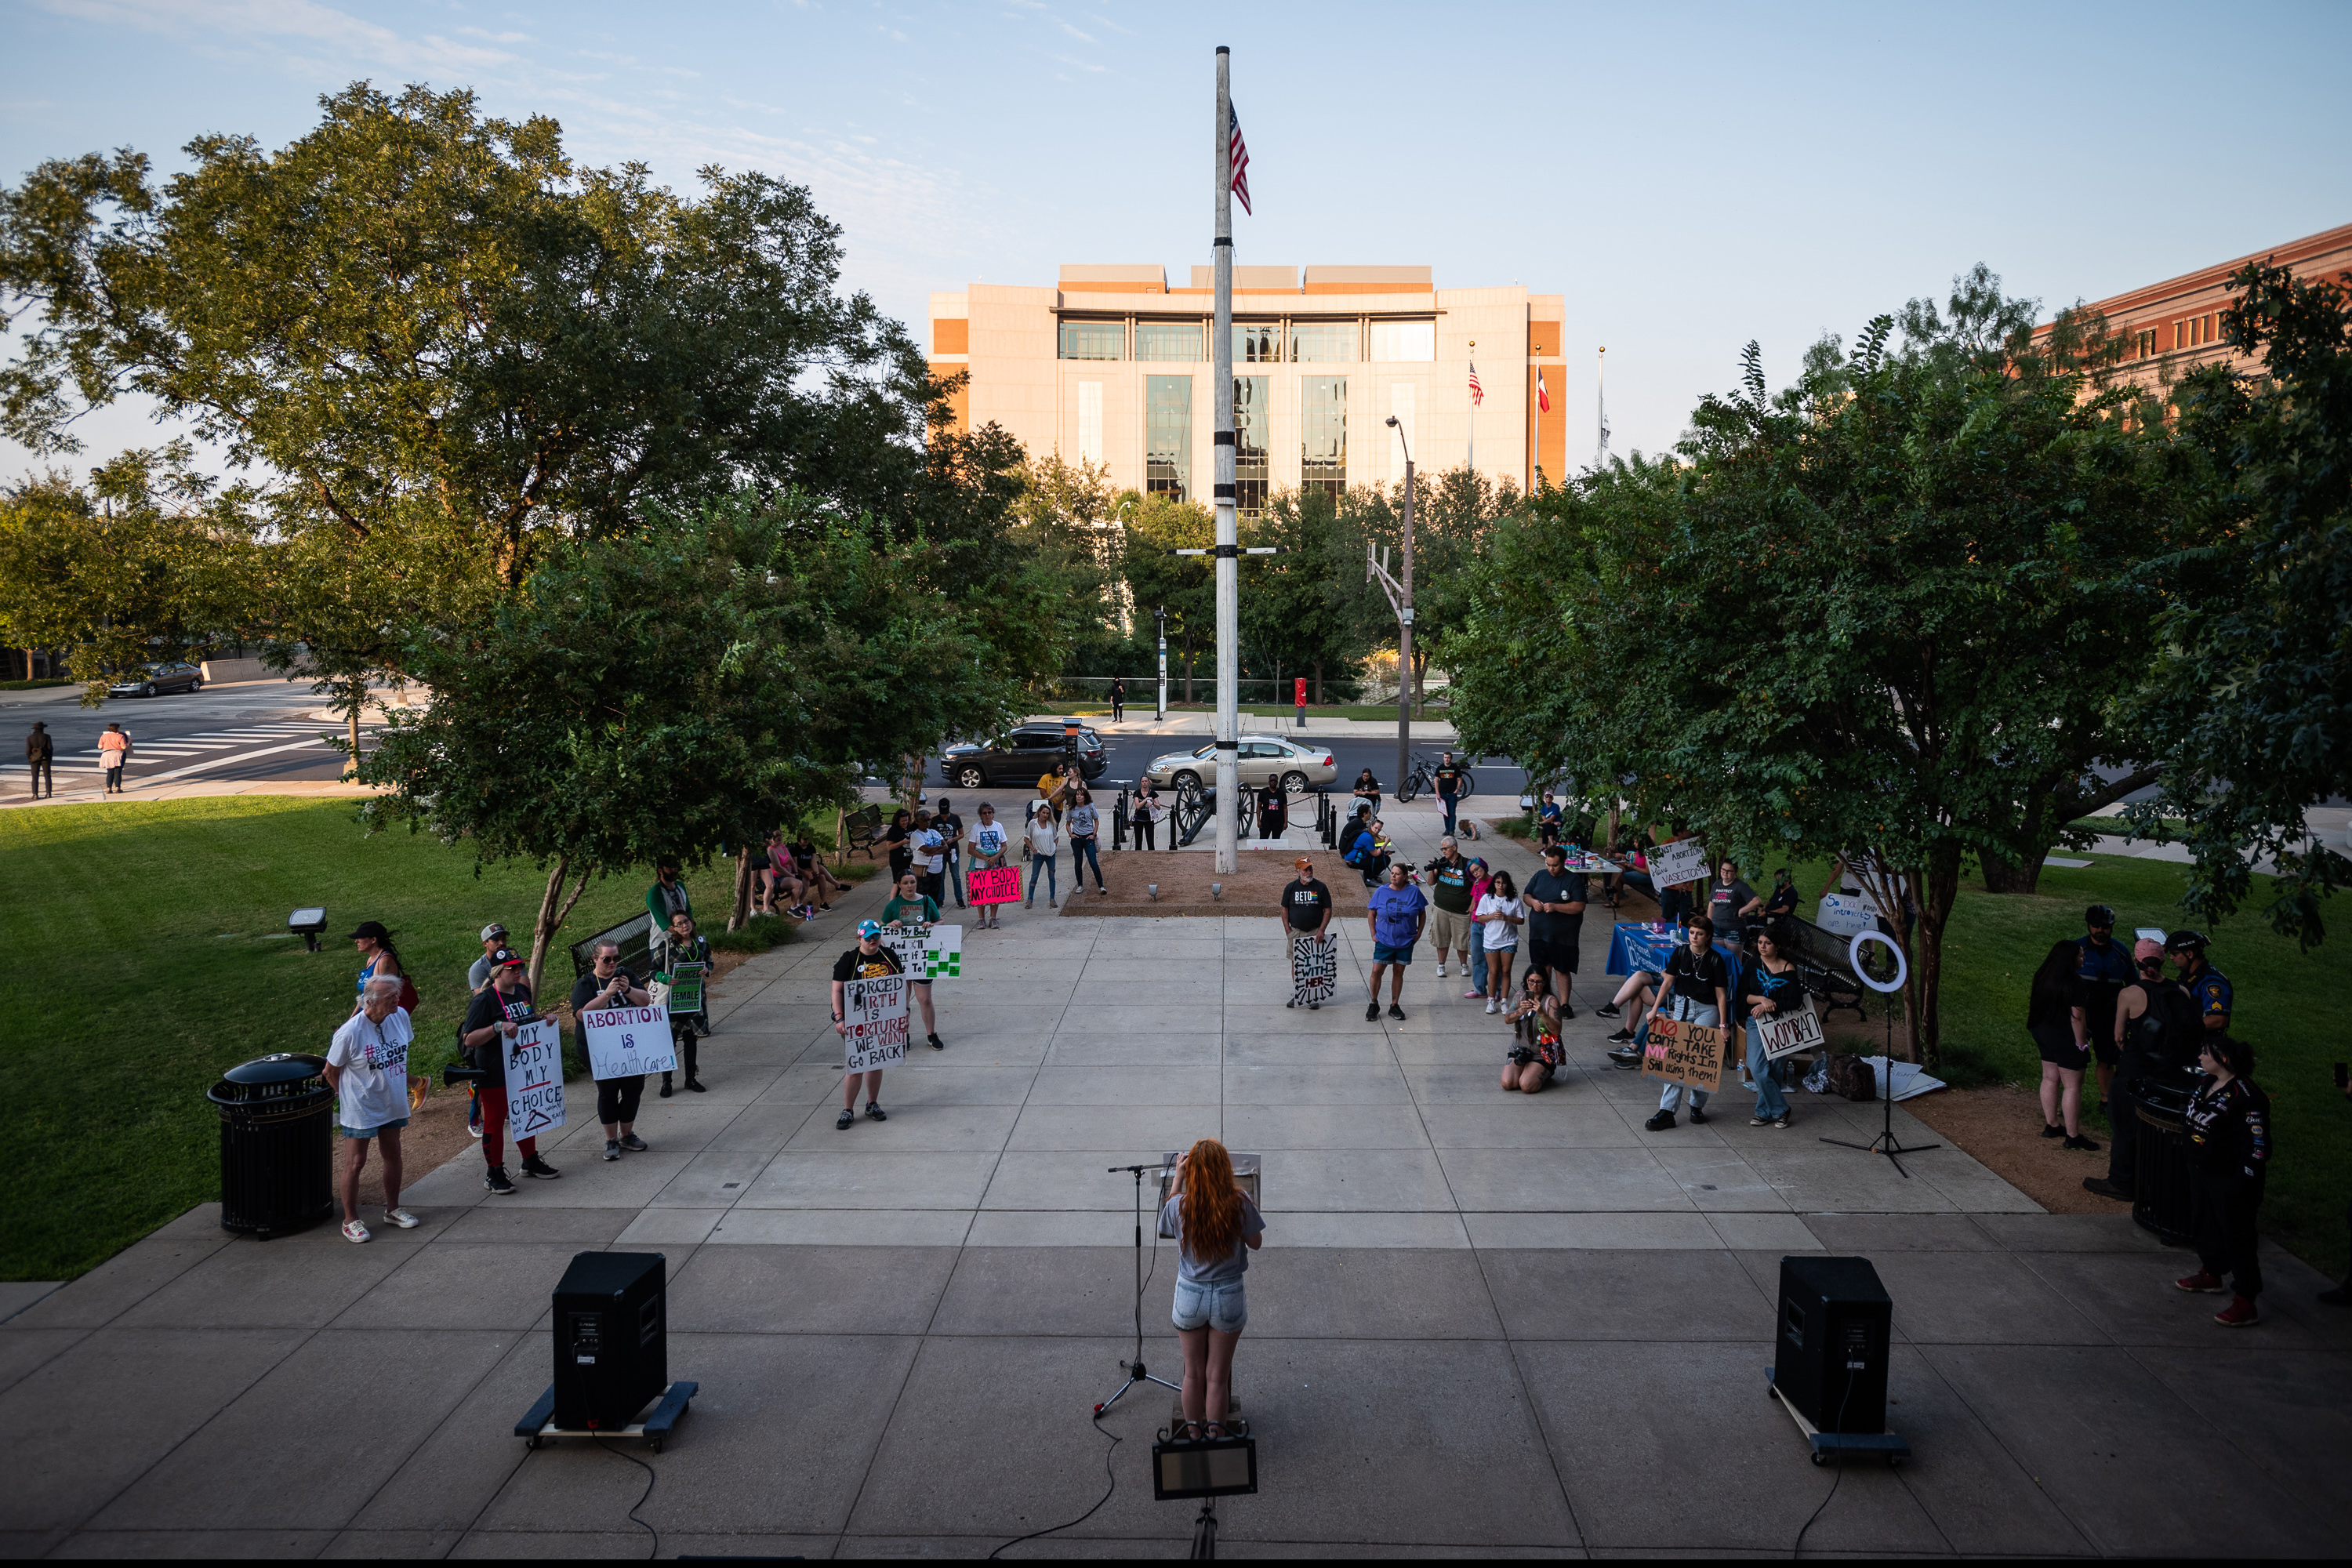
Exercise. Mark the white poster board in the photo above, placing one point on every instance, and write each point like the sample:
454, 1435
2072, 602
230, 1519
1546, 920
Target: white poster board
874, 1014
1786, 1033
534, 1078
1842, 914
623, 1042
1314, 968
1684, 861
929, 952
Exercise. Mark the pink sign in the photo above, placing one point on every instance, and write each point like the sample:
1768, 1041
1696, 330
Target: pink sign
996, 885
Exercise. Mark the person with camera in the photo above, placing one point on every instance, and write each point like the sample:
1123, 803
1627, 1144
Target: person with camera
1215, 1228
1535, 1052
367, 1067
609, 985
1697, 989
2229, 1160
682, 944
491, 1022
869, 959
1450, 913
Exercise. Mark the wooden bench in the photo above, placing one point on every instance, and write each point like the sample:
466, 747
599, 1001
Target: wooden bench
863, 830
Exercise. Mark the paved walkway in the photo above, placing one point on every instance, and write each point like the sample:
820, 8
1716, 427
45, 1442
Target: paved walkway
1481, 1323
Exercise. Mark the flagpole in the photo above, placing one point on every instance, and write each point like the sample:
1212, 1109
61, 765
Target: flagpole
1470, 457
1601, 409
1228, 550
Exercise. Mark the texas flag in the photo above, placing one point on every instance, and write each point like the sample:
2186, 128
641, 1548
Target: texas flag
1543, 396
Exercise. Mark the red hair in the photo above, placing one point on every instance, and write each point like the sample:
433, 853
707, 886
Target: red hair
1213, 1204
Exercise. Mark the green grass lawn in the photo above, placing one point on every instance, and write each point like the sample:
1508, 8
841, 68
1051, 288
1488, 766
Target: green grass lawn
146, 953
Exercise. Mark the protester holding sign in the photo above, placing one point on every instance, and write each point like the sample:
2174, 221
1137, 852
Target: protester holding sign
1677, 867
1696, 990
1769, 989
1307, 917
493, 1019
367, 1067
990, 844
930, 857
682, 961
909, 907
869, 959
608, 985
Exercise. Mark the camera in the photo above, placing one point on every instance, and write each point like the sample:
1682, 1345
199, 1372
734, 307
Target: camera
1522, 1055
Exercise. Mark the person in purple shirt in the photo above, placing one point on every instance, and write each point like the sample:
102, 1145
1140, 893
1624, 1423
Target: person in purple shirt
1394, 919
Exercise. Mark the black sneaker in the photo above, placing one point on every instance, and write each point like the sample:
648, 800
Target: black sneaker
1396, 1012
696, 1084
874, 1112
1292, 1003
1622, 1038
532, 1166
2086, 1145
1566, 1011
1606, 1010
2050, 1132
2106, 1188
666, 1090
498, 1183
1371, 1012
1698, 1117
848, 1120
633, 1144
936, 1044
1660, 1122
612, 1148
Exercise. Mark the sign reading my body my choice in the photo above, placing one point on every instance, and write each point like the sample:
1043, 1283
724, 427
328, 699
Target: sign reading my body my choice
625, 1041
535, 1077
995, 885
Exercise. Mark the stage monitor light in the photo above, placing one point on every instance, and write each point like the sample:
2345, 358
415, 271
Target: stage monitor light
1246, 1168
1216, 1467
307, 924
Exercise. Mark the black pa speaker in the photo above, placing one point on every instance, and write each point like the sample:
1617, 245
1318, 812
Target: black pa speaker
1831, 1352
612, 1339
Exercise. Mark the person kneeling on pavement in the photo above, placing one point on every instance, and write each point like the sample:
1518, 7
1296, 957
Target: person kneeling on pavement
2229, 1160
367, 1067
1696, 990
608, 985
491, 1022
1535, 1030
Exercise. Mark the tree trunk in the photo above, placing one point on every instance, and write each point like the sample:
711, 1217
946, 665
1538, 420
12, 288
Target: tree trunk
1319, 683
2001, 877
739, 908
551, 915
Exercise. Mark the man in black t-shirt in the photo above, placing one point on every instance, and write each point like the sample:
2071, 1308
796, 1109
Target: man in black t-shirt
1306, 909
1555, 898
1781, 902
949, 824
1448, 780
869, 959
1697, 989
491, 1022
610, 985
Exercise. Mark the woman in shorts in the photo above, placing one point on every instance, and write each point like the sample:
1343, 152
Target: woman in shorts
1215, 1228
1499, 912
1535, 1035
2055, 1017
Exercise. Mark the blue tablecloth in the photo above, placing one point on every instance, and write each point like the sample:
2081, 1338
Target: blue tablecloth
1639, 944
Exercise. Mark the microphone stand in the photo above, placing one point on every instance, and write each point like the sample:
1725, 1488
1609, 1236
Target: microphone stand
1135, 1369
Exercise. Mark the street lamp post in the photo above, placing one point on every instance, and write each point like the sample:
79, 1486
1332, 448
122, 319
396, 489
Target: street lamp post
1401, 599
1161, 616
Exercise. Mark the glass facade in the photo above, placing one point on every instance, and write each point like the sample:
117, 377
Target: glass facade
1258, 343
1253, 418
1177, 342
1168, 435
1094, 339
1325, 343
1323, 434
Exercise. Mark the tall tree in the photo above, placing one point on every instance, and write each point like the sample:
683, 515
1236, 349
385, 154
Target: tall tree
1183, 586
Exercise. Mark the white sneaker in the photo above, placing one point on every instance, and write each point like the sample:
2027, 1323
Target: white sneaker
1490, 1006
354, 1231
400, 1217
1441, 971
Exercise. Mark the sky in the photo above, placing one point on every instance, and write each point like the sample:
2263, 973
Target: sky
1689, 177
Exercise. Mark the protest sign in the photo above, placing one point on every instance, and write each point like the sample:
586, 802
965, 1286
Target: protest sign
686, 987
1691, 1053
625, 1041
929, 952
1786, 1033
535, 1078
1844, 914
874, 1012
995, 885
1684, 861
1314, 968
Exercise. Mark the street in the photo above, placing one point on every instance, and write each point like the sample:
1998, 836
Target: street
1130, 755
258, 730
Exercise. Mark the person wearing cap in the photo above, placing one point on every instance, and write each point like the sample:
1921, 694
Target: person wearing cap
2103, 970
378, 956
609, 985
491, 1022
869, 959
367, 1067
40, 756
1555, 898
1305, 912
668, 896
1450, 924
494, 936
2207, 986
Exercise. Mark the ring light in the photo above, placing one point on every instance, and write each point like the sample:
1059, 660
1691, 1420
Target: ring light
1854, 955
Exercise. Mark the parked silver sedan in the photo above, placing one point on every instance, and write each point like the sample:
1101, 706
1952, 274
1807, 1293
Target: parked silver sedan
1259, 759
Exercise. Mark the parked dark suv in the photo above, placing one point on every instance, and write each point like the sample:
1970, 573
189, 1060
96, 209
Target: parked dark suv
1024, 757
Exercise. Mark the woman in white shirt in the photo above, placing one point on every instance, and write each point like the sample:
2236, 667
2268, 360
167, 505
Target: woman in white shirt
988, 842
1499, 915
1044, 838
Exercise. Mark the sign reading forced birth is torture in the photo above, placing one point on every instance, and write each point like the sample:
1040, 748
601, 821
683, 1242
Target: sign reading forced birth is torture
1314, 968
929, 952
1692, 1053
1786, 1033
995, 885
873, 1015
625, 1041
534, 1078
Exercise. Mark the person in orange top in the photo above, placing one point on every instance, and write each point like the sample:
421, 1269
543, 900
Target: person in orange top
114, 754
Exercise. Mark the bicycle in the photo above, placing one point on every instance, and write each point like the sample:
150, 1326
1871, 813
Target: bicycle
1424, 770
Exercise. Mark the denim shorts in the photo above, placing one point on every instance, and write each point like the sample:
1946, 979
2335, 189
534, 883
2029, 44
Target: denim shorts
1223, 1307
372, 1132
1383, 954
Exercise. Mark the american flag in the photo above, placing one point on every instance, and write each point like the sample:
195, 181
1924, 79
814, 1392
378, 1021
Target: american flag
1478, 392
1238, 153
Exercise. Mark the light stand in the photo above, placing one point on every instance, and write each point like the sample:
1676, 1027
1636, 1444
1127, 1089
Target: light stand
1135, 1369
1885, 1143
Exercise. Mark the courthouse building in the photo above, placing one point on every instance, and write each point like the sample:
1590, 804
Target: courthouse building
1112, 365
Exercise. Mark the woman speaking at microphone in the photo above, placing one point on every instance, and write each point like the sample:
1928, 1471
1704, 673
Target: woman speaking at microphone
1215, 1228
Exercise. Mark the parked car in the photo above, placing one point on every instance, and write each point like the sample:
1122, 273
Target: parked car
1024, 757
1257, 757
150, 681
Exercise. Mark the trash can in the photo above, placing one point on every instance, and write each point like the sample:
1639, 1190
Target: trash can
277, 1144
2161, 1201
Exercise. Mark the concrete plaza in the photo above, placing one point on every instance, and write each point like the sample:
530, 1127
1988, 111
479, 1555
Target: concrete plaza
1481, 1324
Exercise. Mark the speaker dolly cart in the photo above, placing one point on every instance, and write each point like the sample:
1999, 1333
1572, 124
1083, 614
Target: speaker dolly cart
653, 1426
612, 1356
1830, 1353
1825, 1444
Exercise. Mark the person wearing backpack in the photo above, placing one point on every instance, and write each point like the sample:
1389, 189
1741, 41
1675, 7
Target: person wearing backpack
2158, 1032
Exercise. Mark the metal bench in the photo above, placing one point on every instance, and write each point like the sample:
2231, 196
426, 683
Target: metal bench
1824, 968
863, 830
635, 937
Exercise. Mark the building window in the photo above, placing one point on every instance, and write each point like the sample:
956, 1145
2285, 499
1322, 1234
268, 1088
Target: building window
1253, 416
1324, 342
1323, 434
1403, 342
1168, 435
1094, 339
1258, 343
1090, 426
1177, 343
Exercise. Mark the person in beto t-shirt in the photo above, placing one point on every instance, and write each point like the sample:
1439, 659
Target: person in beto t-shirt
1449, 896
1555, 898
1393, 921
491, 1022
869, 959
1697, 990
1306, 911
609, 985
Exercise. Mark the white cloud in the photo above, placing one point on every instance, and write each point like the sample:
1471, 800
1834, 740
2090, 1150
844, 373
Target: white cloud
1082, 38
286, 25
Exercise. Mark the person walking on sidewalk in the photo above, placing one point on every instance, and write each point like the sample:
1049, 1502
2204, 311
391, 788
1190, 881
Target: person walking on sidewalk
1085, 826
1448, 780
2229, 1160
113, 757
990, 844
910, 907
40, 754
1697, 990
1118, 700
491, 1021
1044, 837
367, 1067
1392, 919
